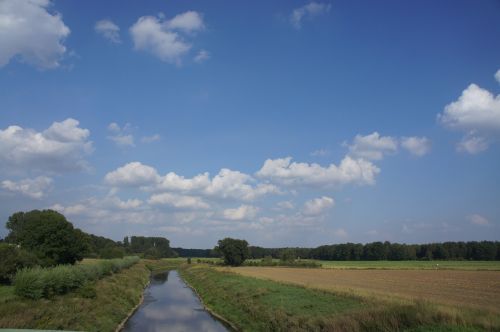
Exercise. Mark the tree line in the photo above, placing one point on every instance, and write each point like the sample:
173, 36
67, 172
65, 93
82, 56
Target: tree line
472, 250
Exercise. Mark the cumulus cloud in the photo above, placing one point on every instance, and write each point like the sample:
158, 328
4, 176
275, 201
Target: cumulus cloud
477, 113
227, 184
121, 135
308, 11
497, 75
178, 201
202, 56
418, 146
243, 212
34, 188
372, 146
59, 148
479, 220
109, 30
29, 31
350, 171
189, 21
317, 206
133, 174
161, 37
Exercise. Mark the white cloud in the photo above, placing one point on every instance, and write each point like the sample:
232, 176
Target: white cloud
317, 206
476, 109
189, 21
120, 135
472, 144
308, 11
34, 188
132, 174
150, 139
178, 201
59, 148
157, 36
418, 146
477, 113
226, 184
350, 171
108, 30
29, 31
479, 220
373, 146
202, 56
243, 212
497, 75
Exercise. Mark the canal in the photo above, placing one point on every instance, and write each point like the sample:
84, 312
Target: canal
170, 305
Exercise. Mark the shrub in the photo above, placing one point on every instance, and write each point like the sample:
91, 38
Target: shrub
38, 282
28, 283
13, 259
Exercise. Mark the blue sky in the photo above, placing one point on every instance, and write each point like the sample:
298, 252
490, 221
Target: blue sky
287, 123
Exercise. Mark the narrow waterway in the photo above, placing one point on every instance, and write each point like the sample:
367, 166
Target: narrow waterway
170, 305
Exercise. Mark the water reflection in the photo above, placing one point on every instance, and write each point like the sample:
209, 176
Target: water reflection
169, 305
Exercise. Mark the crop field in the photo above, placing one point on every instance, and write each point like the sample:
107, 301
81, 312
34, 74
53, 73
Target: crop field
479, 289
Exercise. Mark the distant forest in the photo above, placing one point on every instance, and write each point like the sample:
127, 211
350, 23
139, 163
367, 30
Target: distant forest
484, 250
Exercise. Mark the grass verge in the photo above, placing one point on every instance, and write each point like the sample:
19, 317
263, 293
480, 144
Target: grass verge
262, 305
110, 300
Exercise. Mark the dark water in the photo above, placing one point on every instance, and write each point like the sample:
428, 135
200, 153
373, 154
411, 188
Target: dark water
169, 305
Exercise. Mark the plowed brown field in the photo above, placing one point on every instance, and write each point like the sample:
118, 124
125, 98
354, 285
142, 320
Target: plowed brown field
470, 288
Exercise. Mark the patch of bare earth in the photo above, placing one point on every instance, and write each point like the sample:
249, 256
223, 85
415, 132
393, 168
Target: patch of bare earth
479, 289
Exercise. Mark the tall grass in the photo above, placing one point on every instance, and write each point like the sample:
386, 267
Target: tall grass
40, 282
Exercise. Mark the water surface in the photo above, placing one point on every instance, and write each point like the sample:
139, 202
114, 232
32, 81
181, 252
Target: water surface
170, 305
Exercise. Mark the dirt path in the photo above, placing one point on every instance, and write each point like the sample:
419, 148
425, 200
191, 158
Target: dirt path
471, 288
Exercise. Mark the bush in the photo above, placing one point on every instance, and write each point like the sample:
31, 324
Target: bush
38, 282
13, 259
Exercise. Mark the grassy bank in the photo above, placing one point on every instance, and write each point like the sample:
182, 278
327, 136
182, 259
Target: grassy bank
263, 305
115, 296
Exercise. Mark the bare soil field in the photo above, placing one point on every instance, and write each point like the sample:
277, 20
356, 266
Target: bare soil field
480, 289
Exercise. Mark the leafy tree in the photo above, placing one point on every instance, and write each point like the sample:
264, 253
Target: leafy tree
234, 251
48, 235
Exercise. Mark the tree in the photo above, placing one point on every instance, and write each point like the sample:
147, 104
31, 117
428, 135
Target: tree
48, 235
234, 251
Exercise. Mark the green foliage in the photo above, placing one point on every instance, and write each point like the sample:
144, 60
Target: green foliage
80, 310
112, 252
288, 255
152, 247
234, 251
189, 260
40, 282
13, 259
49, 235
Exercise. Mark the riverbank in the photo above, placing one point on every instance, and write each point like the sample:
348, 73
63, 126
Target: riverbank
102, 308
260, 305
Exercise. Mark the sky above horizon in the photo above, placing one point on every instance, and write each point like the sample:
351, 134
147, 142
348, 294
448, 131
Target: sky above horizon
285, 123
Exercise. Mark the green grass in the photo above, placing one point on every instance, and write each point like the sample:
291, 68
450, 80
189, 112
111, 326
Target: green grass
115, 296
263, 305
413, 265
